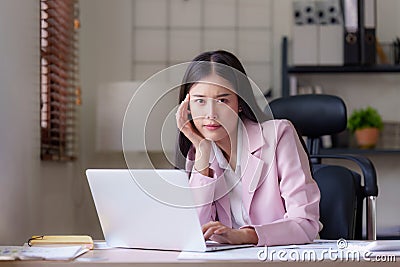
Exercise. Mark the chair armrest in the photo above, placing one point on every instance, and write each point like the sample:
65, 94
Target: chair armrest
367, 169
370, 187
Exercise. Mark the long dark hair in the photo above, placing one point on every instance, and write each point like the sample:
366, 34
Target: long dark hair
227, 66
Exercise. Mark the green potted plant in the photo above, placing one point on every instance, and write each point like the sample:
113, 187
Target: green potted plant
366, 124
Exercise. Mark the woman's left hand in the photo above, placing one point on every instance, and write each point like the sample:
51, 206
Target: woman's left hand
220, 233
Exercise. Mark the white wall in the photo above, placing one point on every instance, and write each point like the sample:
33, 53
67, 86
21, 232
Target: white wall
19, 117
105, 57
281, 27
166, 33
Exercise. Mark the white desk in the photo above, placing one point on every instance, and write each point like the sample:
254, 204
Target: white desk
150, 258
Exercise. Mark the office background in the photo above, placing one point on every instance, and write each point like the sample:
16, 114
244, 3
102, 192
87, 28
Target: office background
53, 198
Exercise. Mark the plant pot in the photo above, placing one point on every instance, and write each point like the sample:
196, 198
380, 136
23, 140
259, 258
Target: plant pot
367, 137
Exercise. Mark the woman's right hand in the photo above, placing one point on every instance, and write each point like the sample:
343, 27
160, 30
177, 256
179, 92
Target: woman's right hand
202, 146
184, 124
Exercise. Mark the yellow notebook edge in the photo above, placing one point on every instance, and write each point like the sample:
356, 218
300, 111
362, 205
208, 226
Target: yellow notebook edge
45, 240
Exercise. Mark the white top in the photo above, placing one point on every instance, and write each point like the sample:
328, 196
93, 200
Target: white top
233, 181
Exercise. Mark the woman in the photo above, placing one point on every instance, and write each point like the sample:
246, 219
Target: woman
250, 175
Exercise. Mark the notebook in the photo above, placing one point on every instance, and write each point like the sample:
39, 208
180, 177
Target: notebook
151, 209
61, 240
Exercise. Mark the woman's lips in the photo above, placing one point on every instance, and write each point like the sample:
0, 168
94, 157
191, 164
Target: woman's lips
212, 127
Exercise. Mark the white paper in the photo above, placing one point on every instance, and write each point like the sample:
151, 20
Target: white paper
52, 253
319, 250
40, 253
9, 252
232, 254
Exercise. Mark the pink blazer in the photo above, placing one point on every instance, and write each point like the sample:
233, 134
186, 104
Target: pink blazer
279, 193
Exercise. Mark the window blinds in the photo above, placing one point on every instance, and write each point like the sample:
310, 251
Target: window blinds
60, 91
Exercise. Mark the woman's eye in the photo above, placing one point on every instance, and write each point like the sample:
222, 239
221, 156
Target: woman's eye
222, 100
200, 101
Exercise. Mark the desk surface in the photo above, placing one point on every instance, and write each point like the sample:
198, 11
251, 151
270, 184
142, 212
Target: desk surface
150, 258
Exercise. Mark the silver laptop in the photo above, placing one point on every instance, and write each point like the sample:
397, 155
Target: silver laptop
148, 208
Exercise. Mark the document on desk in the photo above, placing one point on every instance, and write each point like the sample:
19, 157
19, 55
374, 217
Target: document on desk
319, 250
40, 253
232, 254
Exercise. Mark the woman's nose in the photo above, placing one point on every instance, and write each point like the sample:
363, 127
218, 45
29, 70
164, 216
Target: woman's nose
211, 109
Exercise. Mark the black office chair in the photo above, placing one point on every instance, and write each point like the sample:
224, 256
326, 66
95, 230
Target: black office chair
342, 192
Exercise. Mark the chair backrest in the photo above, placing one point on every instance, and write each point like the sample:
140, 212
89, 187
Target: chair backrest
313, 116
342, 193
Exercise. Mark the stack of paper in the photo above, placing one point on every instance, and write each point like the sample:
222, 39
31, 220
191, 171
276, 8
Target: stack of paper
320, 250
40, 253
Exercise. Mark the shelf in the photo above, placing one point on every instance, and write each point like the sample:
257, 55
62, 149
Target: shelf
344, 69
376, 151
288, 70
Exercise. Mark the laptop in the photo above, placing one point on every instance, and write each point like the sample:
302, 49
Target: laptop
150, 209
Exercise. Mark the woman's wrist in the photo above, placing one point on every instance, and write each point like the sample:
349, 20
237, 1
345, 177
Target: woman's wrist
202, 157
202, 166
249, 236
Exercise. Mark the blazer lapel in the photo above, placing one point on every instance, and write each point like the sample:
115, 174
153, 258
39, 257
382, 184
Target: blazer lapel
253, 167
251, 174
